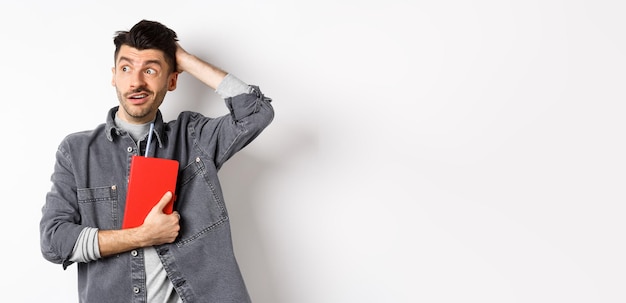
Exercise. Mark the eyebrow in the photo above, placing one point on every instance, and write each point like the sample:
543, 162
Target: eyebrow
126, 59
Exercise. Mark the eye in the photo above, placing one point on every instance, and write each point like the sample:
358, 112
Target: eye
125, 68
151, 71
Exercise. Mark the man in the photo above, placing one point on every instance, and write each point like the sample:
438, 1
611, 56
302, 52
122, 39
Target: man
185, 256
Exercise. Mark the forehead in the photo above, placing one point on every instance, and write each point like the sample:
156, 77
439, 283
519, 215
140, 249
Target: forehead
140, 57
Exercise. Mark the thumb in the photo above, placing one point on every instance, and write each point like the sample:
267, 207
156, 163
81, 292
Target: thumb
164, 200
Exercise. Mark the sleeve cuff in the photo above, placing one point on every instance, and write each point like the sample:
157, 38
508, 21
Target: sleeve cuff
231, 86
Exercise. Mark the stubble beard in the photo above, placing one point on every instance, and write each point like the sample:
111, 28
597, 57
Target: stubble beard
135, 112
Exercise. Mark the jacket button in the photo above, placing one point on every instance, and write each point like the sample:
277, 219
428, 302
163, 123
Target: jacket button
133, 253
136, 289
130, 149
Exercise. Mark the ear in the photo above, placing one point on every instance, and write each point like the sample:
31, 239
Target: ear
173, 79
113, 76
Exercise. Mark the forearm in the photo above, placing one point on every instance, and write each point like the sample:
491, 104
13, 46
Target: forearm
201, 70
113, 242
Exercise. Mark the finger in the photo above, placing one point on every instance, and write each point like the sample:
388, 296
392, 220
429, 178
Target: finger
164, 200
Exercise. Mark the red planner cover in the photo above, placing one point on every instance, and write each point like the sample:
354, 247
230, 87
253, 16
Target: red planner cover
150, 178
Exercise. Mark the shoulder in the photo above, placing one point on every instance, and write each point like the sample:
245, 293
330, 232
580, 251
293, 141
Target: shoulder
81, 139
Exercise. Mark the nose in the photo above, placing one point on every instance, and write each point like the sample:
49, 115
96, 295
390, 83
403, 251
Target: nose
137, 79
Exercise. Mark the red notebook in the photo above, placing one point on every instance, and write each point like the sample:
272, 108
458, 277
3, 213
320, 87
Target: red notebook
150, 178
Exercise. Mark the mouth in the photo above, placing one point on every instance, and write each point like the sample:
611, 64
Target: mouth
137, 98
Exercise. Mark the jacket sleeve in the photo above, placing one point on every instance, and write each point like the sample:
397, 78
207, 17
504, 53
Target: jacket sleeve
58, 227
249, 114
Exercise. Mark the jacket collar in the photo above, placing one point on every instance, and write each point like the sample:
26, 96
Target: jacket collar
112, 130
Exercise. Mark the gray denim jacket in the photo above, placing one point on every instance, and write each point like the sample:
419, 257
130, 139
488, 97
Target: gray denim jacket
89, 185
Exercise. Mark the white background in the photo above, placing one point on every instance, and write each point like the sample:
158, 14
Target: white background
422, 151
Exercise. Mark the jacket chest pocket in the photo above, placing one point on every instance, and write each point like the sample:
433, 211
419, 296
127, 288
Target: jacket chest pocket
199, 201
99, 207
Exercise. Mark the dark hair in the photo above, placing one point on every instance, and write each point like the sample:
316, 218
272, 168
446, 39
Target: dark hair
149, 35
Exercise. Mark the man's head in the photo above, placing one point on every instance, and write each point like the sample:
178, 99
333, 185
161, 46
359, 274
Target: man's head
145, 69
149, 35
